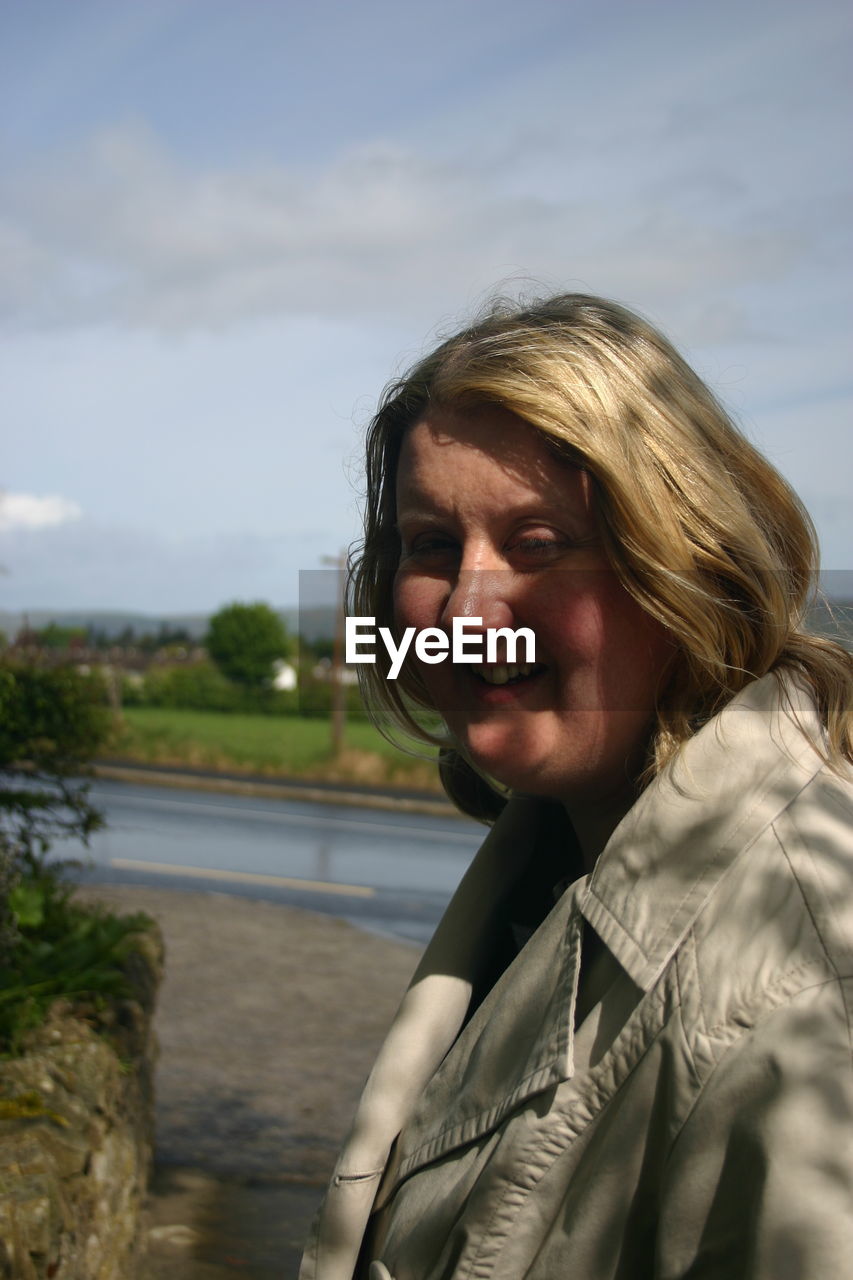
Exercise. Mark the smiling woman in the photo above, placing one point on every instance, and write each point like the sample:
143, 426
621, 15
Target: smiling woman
626, 1050
493, 526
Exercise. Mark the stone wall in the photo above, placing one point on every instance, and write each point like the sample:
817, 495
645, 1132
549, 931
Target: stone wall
76, 1131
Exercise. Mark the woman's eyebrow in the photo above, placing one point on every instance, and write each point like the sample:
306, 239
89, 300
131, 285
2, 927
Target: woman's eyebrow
408, 512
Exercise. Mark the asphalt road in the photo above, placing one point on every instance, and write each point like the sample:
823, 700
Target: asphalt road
390, 872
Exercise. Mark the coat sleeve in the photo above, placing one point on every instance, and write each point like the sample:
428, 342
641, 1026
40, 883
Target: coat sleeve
759, 1182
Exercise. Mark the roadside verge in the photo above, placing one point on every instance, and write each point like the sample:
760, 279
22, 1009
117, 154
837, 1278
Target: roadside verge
279, 789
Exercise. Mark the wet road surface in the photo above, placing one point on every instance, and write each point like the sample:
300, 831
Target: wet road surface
390, 872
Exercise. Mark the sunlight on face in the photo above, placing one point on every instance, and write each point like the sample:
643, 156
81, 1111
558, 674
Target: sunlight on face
494, 526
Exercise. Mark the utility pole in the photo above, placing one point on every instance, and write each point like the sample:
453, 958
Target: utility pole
339, 562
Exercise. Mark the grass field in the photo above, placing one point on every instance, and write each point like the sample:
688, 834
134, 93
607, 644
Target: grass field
275, 745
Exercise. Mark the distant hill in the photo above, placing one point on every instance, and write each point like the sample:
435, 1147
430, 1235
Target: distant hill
111, 622
314, 623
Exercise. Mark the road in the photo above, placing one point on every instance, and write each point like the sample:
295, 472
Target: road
389, 872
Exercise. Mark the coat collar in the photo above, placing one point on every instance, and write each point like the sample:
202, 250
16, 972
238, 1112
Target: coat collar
726, 785
657, 871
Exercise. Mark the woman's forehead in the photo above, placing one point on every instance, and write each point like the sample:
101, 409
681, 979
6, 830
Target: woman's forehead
489, 451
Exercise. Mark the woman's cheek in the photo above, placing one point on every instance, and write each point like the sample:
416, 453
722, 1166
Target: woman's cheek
415, 602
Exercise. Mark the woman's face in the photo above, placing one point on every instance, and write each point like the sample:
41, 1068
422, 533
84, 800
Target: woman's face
493, 526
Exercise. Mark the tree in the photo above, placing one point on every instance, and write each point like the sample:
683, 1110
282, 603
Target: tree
245, 639
51, 723
55, 636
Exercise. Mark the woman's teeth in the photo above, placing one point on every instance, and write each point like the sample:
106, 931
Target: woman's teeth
503, 675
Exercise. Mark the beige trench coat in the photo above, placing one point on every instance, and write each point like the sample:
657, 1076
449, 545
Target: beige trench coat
698, 1122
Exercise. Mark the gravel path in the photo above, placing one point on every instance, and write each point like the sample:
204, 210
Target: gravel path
269, 1019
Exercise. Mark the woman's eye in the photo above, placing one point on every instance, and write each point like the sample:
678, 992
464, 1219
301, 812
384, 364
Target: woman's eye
539, 546
429, 547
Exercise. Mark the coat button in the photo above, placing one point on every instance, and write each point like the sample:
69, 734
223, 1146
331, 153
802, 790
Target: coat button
378, 1271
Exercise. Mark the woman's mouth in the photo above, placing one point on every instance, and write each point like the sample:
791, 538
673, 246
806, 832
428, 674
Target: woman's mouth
510, 673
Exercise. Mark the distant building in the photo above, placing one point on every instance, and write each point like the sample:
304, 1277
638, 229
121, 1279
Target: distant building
284, 676
323, 671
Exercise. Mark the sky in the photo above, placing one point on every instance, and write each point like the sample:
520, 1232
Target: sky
226, 224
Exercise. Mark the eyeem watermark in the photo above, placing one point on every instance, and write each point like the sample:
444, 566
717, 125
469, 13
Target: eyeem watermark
433, 645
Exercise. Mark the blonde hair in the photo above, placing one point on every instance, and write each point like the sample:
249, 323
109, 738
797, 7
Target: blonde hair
703, 532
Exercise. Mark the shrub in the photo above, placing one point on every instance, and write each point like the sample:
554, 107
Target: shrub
315, 699
51, 722
202, 687
198, 687
62, 950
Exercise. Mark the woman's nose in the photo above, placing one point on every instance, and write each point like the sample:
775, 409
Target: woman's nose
480, 593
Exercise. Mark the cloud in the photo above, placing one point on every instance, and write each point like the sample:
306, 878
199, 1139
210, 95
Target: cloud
124, 233
27, 511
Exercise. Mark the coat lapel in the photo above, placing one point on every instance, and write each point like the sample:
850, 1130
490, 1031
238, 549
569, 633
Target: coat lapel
428, 1022
518, 1044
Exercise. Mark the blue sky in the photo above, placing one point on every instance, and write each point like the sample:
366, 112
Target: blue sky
224, 226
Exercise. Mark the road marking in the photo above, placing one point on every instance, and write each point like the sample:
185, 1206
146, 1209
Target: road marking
244, 877
310, 820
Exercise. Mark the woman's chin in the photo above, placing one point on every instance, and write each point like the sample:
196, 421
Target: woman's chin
504, 759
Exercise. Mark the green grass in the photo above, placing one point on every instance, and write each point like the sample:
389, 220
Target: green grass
291, 746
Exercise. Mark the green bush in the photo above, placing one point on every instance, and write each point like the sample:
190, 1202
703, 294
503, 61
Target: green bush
198, 687
54, 717
314, 698
52, 720
62, 950
201, 686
